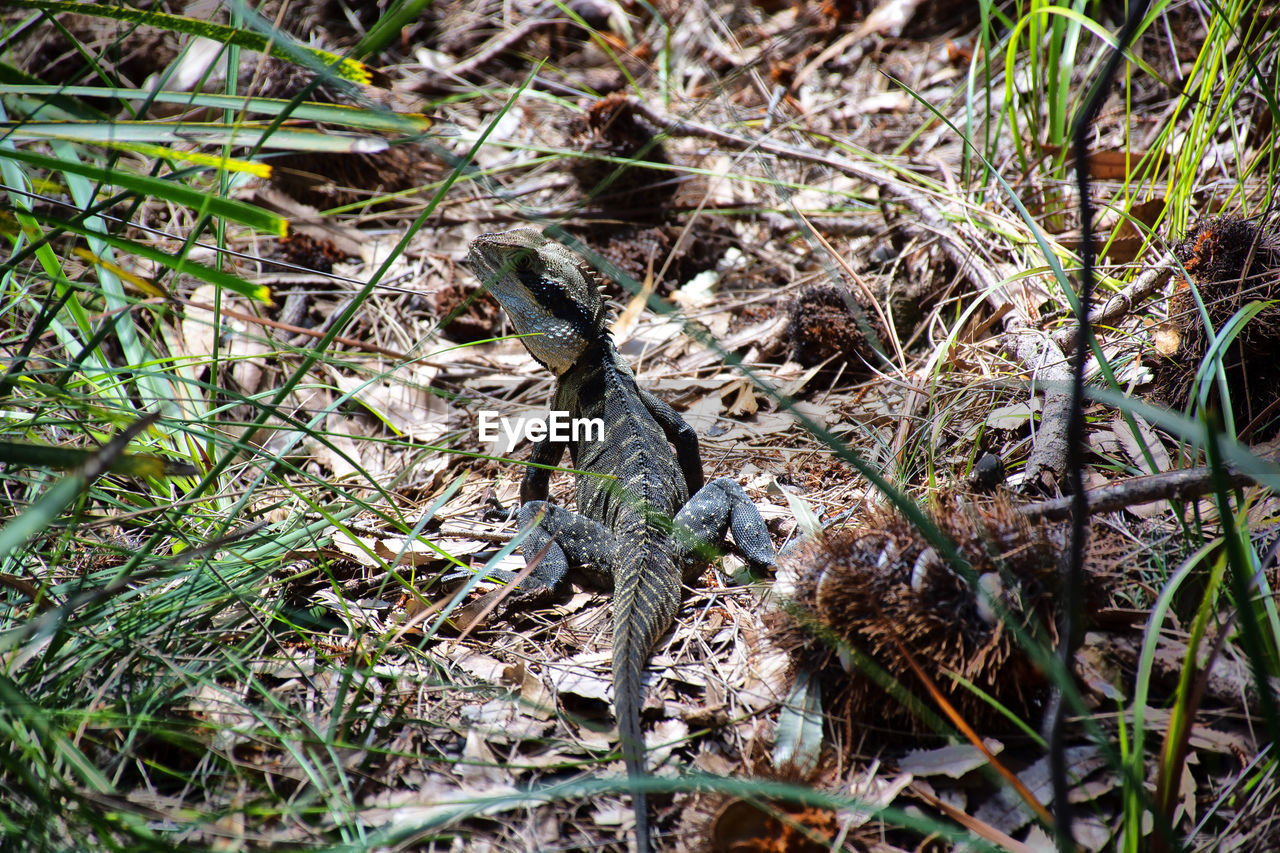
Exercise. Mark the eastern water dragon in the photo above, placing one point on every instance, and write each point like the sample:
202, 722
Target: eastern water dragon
636, 526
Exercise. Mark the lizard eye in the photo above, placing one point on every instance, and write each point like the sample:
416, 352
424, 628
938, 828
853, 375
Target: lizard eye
523, 262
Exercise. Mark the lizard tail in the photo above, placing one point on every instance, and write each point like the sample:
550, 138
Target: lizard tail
628, 678
645, 602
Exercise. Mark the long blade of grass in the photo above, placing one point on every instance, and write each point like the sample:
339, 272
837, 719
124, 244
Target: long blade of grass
339, 114
42, 512
348, 69
180, 265
196, 133
27, 455
237, 211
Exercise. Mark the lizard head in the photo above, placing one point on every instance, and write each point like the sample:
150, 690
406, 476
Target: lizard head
546, 290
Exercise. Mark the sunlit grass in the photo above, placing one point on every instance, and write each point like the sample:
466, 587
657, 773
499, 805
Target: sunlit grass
151, 619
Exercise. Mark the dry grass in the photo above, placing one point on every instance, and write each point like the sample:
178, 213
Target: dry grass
752, 202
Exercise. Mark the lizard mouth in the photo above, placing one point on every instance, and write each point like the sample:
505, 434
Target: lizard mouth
544, 291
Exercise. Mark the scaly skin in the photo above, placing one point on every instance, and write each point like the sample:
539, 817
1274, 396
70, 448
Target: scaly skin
636, 525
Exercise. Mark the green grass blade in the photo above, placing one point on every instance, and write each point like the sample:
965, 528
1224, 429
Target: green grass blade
339, 114
180, 265
348, 69
196, 133
26, 455
237, 211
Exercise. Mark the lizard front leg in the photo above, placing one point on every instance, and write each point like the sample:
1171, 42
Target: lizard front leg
537, 481
722, 506
575, 540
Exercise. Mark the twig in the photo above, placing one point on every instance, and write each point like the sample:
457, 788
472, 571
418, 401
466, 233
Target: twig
1070, 632
682, 127
870, 225
1032, 348
1182, 485
294, 330
497, 45
1122, 303
468, 532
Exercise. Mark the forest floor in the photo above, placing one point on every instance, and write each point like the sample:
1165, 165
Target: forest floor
841, 240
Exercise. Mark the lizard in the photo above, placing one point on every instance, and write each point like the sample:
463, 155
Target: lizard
644, 517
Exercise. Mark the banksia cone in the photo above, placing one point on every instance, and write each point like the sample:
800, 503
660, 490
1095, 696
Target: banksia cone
879, 592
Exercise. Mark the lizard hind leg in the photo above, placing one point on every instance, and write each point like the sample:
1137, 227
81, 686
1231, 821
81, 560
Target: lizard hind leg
571, 541
719, 507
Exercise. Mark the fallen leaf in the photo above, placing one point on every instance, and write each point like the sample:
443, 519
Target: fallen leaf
581, 676
199, 335
480, 666
1013, 416
479, 764
744, 402
410, 411
537, 700
1146, 440
359, 548
954, 761
1166, 338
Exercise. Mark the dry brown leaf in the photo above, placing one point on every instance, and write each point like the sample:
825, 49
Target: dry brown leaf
630, 316
696, 293
714, 763
1014, 415
744, 402
767, 333
875, 791
439, 799
888, 18
793, 388
224, 710
1104, 164
1203, 737
766, 680
536, 698
339, 452
409, 411
1007, 812
1166, 338
1104, 442
685, 672
610, 812
359, 548
480, 666
1129, 239
664, 738
954, 761
247, 362
479, 766
503, 721
973, 823
585, 674
704, 416
1145, 440
199, 336
402, 551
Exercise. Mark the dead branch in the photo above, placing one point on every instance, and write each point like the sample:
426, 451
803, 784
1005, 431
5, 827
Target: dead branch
1123, 302
1182, 485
